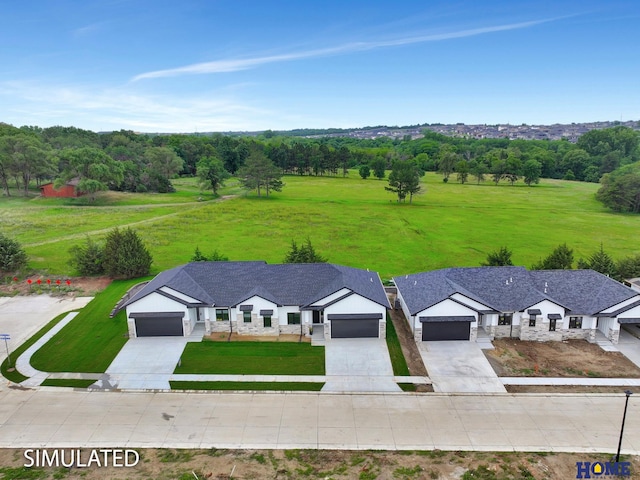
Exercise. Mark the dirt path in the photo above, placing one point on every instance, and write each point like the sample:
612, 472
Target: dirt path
183, 208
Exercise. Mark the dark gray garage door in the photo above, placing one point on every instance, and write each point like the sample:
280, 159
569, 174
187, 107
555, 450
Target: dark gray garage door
354, 326
160, 326
445, 328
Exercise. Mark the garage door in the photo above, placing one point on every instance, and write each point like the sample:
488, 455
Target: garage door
355, 326
446, 328
160, 326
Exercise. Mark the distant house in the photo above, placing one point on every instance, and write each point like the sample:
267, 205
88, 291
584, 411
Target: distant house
454, 303
68, 190
254, 298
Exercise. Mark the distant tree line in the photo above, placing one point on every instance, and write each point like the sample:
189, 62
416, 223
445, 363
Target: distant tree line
134, 162
561, 258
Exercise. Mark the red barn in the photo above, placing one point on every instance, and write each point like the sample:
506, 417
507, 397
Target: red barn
68, 190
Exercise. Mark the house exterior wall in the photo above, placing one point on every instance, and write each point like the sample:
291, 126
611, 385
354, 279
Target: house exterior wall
179, 295
446, 308
631, 313
407, 313
541, 331
332, 297
256, 327
356, 304
610, 328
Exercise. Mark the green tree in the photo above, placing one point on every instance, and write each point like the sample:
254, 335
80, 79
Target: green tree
620, 190
260, 173
95, 169
462, 169
88, 258
447, 160
478, 169
531, 171
600, 261
211, 173
12, 257
404, 180
627, 268
499, 258
198, 256
365, 171
303, 254
560, 259
125, 255
379, 166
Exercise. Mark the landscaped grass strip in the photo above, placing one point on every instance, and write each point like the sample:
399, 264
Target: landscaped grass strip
252, 358
67, 382
398, 362
15, 376
90, 342
279, 386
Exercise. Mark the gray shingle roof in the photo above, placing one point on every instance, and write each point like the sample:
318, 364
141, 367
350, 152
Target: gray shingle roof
513, 289
229, 283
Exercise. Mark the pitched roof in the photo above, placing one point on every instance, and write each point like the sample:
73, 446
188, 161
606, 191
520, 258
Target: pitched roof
230, 283
513, 289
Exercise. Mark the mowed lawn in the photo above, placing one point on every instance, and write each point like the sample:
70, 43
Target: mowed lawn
351, 221
252, 358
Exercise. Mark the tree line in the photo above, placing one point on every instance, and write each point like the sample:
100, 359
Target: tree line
133, 162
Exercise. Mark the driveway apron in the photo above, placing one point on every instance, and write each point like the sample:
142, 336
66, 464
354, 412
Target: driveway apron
459, 367
358, 365
144, 363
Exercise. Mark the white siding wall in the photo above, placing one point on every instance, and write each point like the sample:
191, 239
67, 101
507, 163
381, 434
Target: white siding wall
546, 307
632, 313
333, 296
154, 302
407, 314
179, 295
446, 308
470, 302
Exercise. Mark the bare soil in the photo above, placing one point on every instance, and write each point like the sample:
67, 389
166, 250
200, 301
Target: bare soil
234, 337
572, 358
163, 464
567, 389
78, 287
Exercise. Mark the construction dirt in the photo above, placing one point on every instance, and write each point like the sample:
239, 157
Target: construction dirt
165, 464
77, 286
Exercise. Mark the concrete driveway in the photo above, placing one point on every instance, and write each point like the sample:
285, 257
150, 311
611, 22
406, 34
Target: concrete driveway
628, 344
144, 363
459, 367
358, 365
23, 316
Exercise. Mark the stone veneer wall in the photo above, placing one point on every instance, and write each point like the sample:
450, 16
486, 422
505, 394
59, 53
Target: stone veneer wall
503, 331
613, 335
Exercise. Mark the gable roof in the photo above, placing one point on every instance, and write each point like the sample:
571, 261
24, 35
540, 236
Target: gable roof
513, 289
227, 284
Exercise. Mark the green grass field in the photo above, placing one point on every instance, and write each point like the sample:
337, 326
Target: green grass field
351, 221
278, 386
252, 358
90, 342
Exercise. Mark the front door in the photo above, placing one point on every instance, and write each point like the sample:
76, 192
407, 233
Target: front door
317, 317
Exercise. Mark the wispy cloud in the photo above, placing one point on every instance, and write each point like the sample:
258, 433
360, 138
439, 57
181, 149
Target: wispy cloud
234, 65
115, 108
87, 29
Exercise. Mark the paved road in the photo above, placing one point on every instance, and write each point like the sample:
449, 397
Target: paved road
571, 423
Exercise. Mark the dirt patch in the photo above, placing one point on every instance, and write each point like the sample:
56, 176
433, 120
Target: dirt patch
162, 464
234, 337
77, 286
572, 358
567, 389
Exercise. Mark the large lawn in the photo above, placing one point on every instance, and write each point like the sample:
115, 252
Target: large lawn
252, 358
351, 221
90, 342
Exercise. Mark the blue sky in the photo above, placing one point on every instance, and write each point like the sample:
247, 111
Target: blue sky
207, 65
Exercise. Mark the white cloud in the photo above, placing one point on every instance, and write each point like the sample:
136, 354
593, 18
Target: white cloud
234, 65
113, 109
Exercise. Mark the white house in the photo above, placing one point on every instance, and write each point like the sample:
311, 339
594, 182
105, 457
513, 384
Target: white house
453, 303
253, 298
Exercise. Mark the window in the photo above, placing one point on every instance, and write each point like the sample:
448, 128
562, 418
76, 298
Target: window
505, 318
293, 318
552, 325
267, 320
575, 322
532, 320
246, 316
222, 315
